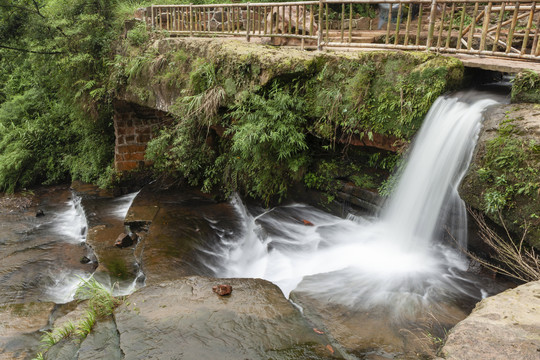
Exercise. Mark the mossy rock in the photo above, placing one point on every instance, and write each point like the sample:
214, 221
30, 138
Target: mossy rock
505, 172
234, 87
526, 88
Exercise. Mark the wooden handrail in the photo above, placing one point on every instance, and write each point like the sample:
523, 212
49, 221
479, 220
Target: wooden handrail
445, 26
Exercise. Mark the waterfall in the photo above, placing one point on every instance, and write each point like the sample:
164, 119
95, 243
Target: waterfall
396, 259
427, 189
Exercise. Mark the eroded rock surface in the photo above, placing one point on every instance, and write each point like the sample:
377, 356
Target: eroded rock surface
504, 171
19, 326
185, 319
177, 225
502, 327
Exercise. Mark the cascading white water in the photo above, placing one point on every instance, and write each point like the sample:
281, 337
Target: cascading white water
71, 222
436, 165
396, 259
72, 225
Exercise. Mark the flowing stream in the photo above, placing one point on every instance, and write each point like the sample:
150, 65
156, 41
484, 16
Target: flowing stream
396, 259
44, 258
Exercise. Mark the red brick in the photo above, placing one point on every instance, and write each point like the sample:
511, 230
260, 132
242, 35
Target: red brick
126, 165
134, 157
131, 149
143, 139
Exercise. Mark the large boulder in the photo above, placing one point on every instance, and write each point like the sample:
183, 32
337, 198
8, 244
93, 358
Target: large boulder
505, 170
186, 319
502, 327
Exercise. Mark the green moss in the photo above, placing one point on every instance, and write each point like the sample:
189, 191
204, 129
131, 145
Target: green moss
505, 179
251, 91
526, 87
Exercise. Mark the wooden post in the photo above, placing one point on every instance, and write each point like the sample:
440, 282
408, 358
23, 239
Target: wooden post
431, 25
290, 20
319, 38
265, 21
536, 37
342, 21
487, 16
472, 27
460, 34
283, 28
528, 29
272, 18
303, 26
297, 19
408, 26
450, 26
153, 16
311, 19
420, 11
190, 19
439, 38
248, 21
326, 21
350, 22
388, 22
512, 28
239, 13
398, 23
498, 31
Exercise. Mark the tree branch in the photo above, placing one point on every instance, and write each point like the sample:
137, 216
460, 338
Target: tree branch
31, 51
23, 9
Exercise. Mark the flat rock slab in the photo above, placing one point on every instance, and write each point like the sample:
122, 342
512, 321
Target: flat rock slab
502, 327
184, 319
19, 326
178, 225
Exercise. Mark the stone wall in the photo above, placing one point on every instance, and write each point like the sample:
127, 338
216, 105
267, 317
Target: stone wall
134, 127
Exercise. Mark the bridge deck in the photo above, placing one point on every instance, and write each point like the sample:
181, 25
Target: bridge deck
499, 35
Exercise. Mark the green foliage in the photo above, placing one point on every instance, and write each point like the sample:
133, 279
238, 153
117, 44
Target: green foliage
509, 169
100, 303
526, 87
268, 143
85, 325
139, 35
100, 299
330, 176
55, 114
39, 356
388, 96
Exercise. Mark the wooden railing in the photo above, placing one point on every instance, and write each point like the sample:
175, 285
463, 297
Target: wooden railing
499, 28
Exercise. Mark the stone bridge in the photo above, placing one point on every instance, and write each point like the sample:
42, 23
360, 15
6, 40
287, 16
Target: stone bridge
497, 35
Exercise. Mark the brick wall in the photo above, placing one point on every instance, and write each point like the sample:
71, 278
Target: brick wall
134, 127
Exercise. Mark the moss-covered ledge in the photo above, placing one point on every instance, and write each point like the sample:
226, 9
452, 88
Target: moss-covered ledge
391, 90
258, 119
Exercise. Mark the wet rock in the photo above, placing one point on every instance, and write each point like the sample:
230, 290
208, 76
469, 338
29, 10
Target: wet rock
65, 349
181, 223
501, 327
124, 240
182, 319
19, 329
222, 290
40, 213
374, 333
102, 343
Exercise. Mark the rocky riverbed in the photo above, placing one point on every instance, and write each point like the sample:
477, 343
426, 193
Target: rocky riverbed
176, 314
